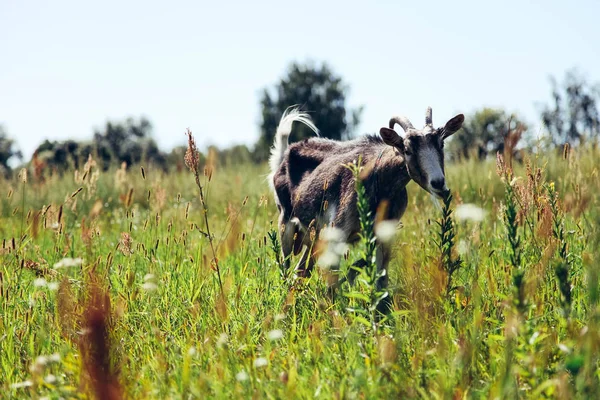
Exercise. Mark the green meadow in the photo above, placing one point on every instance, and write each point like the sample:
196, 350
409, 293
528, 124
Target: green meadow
126, 283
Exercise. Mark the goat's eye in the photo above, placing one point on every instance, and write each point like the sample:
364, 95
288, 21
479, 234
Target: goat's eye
408, 152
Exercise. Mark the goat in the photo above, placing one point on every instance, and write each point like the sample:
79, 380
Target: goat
312, 173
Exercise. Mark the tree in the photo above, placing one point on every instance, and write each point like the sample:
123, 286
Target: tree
315, 89
127, 141
8, 150
484, 133
573, 114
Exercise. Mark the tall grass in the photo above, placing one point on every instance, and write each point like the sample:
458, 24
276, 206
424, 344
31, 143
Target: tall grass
122, 261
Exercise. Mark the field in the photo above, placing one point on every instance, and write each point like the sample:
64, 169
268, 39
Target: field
112, 285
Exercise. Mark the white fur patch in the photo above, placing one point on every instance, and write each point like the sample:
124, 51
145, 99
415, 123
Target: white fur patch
430, 165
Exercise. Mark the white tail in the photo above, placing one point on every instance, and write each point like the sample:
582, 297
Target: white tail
282, 135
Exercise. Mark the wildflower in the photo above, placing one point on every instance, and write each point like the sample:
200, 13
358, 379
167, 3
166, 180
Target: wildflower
462, 247
279, 317
125, 244
241, 376
335, 249
469, 212
329, 259
332, 234
41, 360
564, 348
149, 286
148, 277
222, 341
275, 334
39, 282
53, 285
55, 357
50, 379
192, 156
68, 262
20, 385
386, 230
260, 362
192, 351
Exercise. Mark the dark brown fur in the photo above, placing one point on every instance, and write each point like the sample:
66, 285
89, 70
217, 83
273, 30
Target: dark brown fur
313, 182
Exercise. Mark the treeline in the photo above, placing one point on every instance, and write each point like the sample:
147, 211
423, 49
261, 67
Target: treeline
572, 116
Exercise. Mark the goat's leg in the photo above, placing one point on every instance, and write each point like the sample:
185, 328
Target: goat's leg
382, 259
354, 270
288, 231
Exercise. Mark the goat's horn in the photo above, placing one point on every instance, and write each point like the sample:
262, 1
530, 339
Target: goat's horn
428, 117
402, 121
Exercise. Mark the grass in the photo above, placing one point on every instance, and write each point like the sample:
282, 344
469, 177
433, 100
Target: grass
519, 320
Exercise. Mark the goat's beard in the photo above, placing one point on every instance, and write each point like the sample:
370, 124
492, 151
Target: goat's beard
436, 201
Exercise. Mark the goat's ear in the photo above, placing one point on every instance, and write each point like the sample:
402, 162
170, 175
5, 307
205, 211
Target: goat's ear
452, 126
390, 137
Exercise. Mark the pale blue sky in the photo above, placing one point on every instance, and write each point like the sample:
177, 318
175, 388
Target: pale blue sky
69, 65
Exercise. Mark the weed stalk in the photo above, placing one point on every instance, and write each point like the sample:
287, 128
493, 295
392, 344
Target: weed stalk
192, 161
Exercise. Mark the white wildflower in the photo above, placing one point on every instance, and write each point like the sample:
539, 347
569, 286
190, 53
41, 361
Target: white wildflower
20, 385
50, 378
149, 277
462, 247
564, 348
68, 262
318, 391
54, 357
332, 234
469, 212
280, 317
149, 286
41, 360
192, 351
386, 230
339, 248
242, 376
39, 282
260, 362
222, 340
533, 337
275, 334
53, 285
329, 259
336, 247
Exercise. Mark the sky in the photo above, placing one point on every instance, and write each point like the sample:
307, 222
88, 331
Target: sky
68, 66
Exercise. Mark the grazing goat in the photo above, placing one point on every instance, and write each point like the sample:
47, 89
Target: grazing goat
313, 187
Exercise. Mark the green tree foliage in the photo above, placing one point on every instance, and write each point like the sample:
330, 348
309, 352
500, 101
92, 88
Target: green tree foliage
117, 142
573, 114
316, 89
483, 133
8, 150
130, 142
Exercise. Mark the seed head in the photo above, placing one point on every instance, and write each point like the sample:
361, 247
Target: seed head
192, 157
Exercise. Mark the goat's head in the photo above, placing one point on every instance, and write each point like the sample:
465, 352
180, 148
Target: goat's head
423, 149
